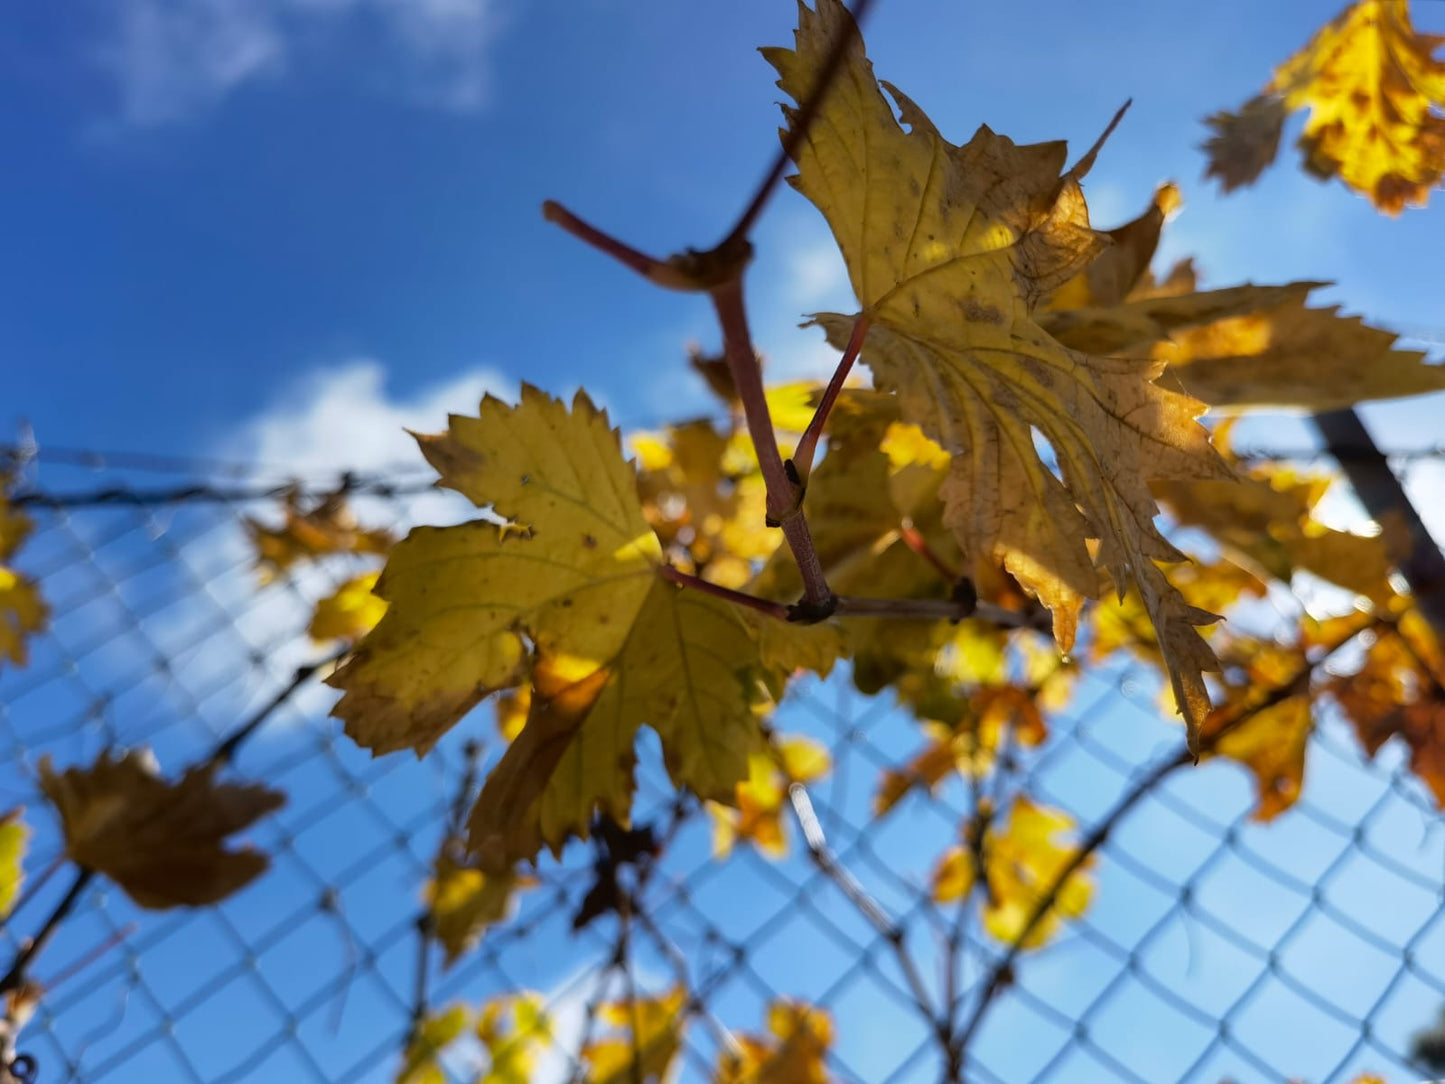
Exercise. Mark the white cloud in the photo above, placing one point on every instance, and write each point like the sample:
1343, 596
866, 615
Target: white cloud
332, 421
344, 419
174, 59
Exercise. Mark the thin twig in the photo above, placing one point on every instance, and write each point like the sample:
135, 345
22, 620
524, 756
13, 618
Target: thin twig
913, 538
808, 444
823, 857
739, 598
798, 130
646, 266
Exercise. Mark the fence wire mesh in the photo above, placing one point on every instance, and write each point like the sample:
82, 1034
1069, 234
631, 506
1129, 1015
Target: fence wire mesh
1216, 948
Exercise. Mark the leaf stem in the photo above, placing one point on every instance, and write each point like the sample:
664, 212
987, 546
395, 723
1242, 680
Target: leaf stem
798, 130
808, 445
913, 538
697, 583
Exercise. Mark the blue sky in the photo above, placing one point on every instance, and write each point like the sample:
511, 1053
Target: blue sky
211, 201
283, 229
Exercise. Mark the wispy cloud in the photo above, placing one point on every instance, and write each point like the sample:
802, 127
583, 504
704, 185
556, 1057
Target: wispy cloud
175, 59
336, 419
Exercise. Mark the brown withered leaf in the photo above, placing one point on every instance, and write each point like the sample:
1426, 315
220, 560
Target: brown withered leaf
1245, 143
163, 843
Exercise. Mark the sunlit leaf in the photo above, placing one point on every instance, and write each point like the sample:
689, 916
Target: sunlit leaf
949, 250
14, 833
651, 1035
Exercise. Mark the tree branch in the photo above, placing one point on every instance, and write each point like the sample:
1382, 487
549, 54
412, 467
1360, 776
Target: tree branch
798, 130
785, 489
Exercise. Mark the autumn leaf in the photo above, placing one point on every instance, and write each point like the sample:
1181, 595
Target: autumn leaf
421, 1060
567, 598
1263, 520
1024, 864
328, 527
1112, 275
1374, 90
463, 901
964, 728
163, 843
1265, 720
651, 1038
23, 613
14, 833
794, 1050
1399, 691
758, 812
950, 249
1244, 144
1287, 355
349, 612
514, 1029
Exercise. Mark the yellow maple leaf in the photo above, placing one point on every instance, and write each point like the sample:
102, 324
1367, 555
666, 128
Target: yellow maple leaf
515, 1029
1024, 863
950, 249
163, 843
794, 1051
758, 813
1113, 274
652, 1036
1287, 355
13, 836
566, 597
327, 527
1373, 88
464, 902
349, 612
421, 1060
1265, 720
23, 613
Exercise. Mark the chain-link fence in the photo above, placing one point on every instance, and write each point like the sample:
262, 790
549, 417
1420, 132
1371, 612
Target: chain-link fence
1215, 948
